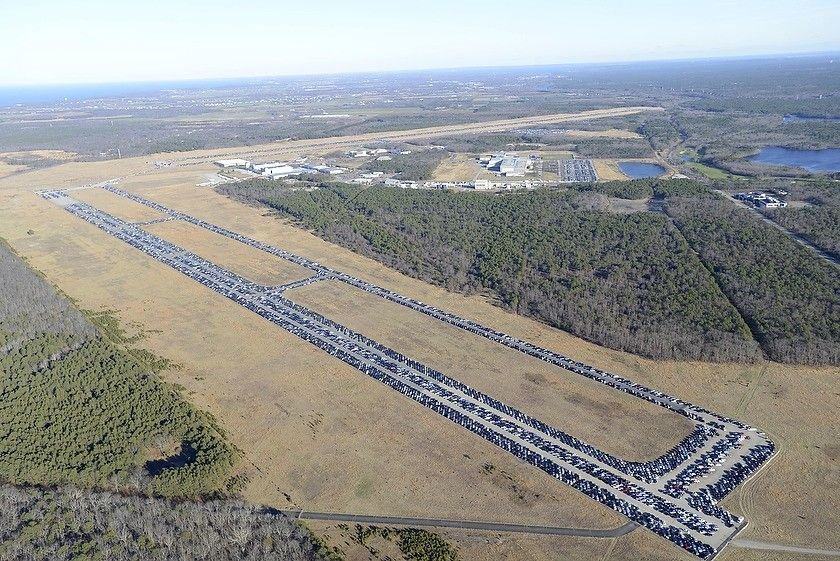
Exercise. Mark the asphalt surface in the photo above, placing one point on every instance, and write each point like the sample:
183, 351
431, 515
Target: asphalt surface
463, 524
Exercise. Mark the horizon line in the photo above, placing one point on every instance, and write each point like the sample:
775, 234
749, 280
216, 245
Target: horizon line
151, 81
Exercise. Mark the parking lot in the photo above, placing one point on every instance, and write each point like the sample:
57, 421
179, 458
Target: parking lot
572, 171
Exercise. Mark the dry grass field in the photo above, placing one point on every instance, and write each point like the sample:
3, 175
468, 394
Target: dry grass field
328, 437
607, 170
15, 162
614, 421
457, 167
9, 169
117, 206
609, 133
311, 427
626, 206
792, 405
556, 155
246, 261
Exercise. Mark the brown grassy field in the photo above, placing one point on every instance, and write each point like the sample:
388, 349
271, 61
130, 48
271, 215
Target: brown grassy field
311, 427
9, 169
457, 167
626, 206
556, 155
614, 421
117, 206
791, 406
246, 261
333, 439
607, 170
609, 133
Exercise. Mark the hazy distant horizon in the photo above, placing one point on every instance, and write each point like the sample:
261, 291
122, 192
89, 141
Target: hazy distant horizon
50, 92
96, 41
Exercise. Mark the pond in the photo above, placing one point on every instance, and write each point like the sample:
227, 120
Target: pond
640, 170
811, 160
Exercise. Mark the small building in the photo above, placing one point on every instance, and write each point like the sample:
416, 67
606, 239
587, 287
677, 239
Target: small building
482, 184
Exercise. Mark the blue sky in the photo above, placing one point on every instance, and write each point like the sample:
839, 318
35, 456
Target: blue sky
93, 41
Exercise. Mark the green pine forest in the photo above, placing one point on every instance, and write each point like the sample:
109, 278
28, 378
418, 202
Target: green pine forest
666, 285
79, 405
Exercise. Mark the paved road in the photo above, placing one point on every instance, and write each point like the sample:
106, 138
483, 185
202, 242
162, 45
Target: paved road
799, 239
767, 546
464, 524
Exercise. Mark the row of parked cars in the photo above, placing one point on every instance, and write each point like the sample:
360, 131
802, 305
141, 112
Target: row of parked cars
705, 464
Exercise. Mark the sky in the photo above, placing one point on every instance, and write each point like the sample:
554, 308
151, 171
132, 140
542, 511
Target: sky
109, 41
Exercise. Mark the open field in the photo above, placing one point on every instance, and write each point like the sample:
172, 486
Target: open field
312, 427
248, 262
613, 421
627, 206
556, 155
60, 155
9, 169
120, 207
457, 167
309, 425
607, 170
609, 133
335, 143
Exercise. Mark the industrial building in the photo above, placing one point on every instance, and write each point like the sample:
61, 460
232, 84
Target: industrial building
508, 165
234, 163
761, 200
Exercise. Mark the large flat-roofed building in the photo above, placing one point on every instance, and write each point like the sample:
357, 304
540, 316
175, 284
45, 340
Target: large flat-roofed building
513, 167
261, 168
233, 163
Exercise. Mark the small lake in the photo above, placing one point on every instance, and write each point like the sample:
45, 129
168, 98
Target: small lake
640, 170
811, 160
799, 119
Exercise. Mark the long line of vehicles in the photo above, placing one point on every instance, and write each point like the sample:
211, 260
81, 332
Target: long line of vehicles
690, 517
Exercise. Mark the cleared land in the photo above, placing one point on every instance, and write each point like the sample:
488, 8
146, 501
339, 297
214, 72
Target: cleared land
807, 394
334, 143
246, 261
457, 167
310, 426
607, 170
117, 206
9, 169
613, 421
609, 133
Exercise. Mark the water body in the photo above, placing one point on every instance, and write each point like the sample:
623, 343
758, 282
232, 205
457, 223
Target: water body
640, 170
805, 119
827, 160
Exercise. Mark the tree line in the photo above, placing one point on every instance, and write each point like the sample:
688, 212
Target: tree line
789, 297
65, 523
629, 282
79, 407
